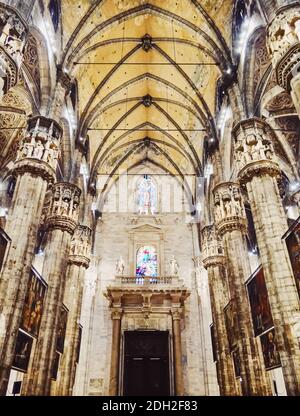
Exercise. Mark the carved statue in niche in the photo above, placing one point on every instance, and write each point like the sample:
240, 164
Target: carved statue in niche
120, 266
174, 267
218, 209
230, 202
38, 150
75, 205
56, 201
283, 33
12, 34
255, 146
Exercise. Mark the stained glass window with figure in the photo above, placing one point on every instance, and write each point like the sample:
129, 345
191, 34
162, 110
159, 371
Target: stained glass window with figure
146, 196
146, 262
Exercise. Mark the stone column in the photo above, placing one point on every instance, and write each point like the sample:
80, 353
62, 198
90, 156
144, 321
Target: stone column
214, 262
177, 351
63, 86
34, 169
259, 171
116, 317
13, 32
283, 34
78, 262
230, 220
61, 221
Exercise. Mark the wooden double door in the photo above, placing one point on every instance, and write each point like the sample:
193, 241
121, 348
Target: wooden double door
146, 363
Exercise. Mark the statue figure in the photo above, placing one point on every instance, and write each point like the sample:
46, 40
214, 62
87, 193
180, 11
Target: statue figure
120, 266
174, 267
64, 208
39, 150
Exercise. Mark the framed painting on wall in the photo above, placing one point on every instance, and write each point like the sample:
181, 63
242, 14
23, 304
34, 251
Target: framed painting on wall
78, 343
293, 246
4, 241
213, 342
270, 351
259, 302
34, 303
232, 325
236, 362
61, 330
22, 351
55, 366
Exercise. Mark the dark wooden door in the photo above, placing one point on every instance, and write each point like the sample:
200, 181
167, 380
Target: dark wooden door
146, 363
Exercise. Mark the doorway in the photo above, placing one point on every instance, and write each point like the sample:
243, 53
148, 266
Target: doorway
146, 363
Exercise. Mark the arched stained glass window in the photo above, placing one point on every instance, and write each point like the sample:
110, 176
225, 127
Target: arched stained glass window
146, 262
146, 196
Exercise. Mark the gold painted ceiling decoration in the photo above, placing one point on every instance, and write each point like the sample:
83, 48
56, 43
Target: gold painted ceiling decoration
146, 73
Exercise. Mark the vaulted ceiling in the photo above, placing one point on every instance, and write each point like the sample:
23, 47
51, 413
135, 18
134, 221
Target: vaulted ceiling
146, 73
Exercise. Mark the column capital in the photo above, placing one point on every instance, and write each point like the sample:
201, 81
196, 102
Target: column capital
176, 314
63, 208
229, 211
283, 41
80, 250
254, 150
116, 313
38, 151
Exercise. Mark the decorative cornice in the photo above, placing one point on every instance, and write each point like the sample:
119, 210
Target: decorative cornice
35, 168
62, 223
248, 123
79, 261
214, 261
232, 224
257, 169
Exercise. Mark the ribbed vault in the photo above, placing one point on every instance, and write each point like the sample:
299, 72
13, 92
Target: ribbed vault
146, 74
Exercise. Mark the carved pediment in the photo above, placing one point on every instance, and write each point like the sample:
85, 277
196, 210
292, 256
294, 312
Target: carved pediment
146, 228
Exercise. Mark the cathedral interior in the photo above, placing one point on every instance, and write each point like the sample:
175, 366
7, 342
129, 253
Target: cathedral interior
149, 197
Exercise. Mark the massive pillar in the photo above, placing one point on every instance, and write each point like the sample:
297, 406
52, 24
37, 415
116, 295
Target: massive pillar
61, 221
78, 262
214, 261
116, 317
34, 169
284, 47
63, 85
13, 31
230, 220
258, 171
